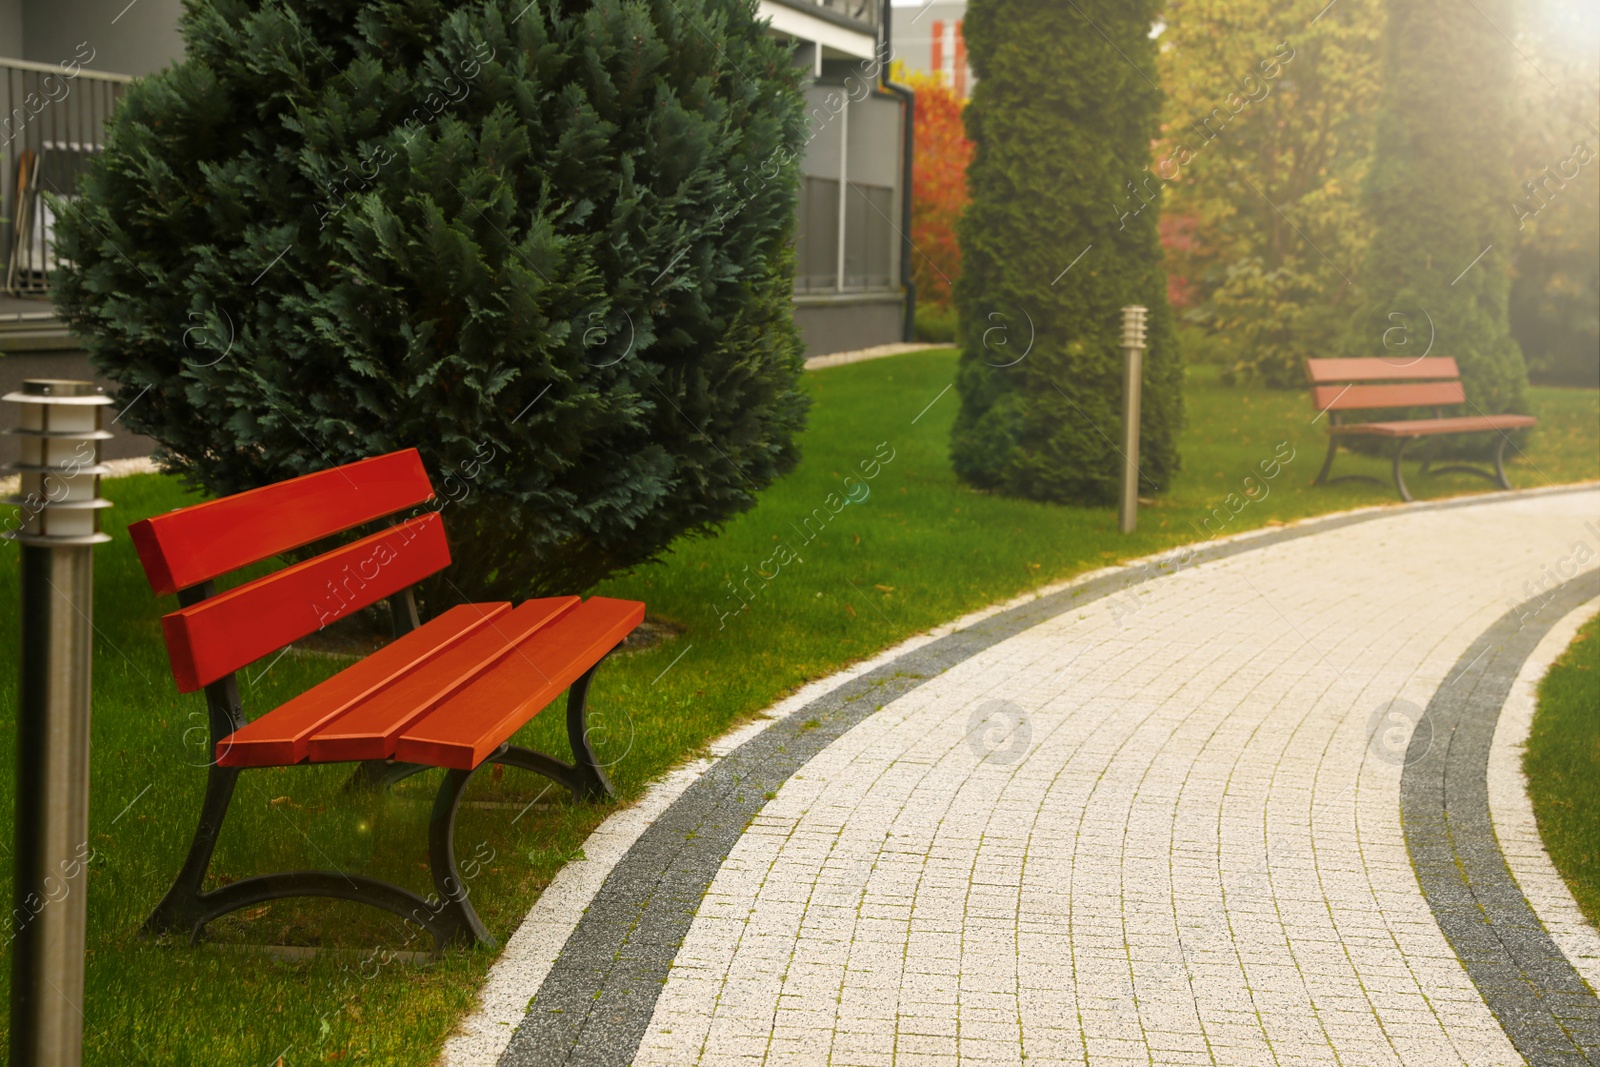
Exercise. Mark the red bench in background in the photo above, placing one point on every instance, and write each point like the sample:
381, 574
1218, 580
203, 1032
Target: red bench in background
1370, 384
448, 693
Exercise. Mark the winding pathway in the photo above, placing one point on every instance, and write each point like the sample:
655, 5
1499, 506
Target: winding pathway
1227, 809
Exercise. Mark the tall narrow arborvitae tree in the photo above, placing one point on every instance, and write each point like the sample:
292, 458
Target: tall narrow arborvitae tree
1440, 193
1062, 118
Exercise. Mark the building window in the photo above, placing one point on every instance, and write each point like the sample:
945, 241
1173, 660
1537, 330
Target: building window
817, 236
869, 237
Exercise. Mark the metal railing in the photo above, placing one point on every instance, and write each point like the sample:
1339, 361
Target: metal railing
859, 10
52, 122
866, 12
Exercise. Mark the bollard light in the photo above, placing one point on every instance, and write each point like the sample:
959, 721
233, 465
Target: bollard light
60, 465
1132, 382
1133, 327
56, 528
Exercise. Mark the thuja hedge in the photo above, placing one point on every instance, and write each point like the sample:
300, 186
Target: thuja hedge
1059, 236
1438, 272
547, 244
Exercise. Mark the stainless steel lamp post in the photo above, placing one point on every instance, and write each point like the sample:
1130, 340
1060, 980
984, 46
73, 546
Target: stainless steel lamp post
1132, 381
56, 530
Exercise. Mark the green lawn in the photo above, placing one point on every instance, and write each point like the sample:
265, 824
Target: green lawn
1562, 762
914, 549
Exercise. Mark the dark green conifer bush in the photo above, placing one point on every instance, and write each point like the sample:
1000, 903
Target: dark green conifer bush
1061, 120
546, 243
1438, 271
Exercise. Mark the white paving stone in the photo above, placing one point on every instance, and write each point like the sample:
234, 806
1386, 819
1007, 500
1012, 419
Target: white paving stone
1197, 856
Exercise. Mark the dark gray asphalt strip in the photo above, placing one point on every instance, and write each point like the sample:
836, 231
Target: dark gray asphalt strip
594, 1005
1542, 1003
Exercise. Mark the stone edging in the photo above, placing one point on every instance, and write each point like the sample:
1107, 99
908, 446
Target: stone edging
1516, 829
1541, 1002
899, 348
1509, 806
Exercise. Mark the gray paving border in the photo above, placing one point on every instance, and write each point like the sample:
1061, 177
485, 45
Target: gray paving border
596, 1002
1543, 1004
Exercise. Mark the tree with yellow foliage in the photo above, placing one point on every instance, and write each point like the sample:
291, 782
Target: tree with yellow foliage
1265, 143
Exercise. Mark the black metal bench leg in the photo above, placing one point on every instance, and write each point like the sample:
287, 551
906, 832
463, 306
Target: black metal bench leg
1500, 463
1327, 464
450, 917
454, 909
181, 909
585, 776
1399, 480
186, 909
1497, 476
594, 783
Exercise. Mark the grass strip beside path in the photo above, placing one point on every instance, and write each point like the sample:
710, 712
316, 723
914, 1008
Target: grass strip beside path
869, 541
1562, 762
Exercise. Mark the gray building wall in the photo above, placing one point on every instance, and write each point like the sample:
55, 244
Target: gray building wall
875, 141
821, 156
135, 38
874, 130
11, 28
848, 322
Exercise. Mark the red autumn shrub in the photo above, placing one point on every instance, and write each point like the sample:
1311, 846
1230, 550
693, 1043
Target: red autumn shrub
1181, 243
939, 189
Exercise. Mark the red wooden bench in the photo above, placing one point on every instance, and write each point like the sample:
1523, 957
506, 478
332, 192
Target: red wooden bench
448, 693
1339, 385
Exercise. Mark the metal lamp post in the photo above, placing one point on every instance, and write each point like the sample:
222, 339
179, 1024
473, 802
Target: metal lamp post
1132, 379
56, 529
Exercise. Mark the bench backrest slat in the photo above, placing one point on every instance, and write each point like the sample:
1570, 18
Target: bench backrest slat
196, 544
1415, 395
1326, 371
222, 633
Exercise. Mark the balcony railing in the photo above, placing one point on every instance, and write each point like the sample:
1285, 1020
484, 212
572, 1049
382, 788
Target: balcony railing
52, 122
865, 12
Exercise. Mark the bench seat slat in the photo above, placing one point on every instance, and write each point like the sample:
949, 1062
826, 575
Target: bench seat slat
463, 730
204, 541
222, 633
280, 737
370, 729
1325, 371
1430, 427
